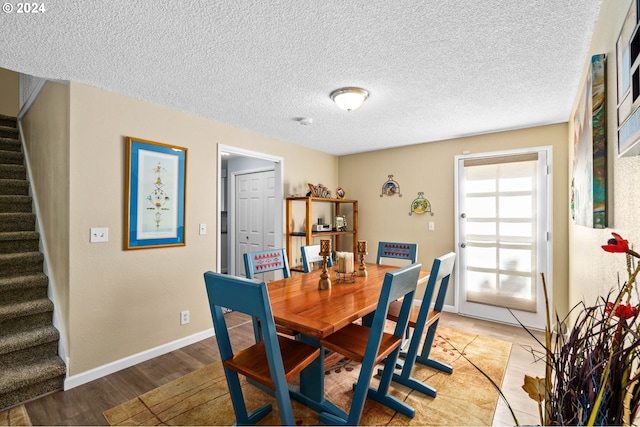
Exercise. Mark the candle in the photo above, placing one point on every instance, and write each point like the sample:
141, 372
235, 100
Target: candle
325, 247
345, 262
362, 246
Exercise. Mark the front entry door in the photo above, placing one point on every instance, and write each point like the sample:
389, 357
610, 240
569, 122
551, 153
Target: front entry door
255, 214
503, 209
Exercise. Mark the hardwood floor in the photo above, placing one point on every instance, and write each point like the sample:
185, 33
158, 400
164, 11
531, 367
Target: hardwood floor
83, 405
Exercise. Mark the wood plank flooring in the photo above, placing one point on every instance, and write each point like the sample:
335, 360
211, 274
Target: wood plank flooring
83, 405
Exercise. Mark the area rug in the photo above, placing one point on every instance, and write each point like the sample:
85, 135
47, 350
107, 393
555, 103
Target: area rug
16, 416
465, 397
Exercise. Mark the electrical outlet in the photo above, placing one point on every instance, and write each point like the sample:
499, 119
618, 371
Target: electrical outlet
184, 317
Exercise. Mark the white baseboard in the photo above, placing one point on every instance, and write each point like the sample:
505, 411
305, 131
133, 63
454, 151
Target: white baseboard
101, 371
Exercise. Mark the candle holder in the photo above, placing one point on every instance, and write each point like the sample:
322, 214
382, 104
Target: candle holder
362, 252
325, 251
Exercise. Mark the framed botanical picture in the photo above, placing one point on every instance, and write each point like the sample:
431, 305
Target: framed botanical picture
156, 179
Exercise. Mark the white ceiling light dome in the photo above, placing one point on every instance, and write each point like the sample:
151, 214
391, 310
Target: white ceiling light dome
349, 98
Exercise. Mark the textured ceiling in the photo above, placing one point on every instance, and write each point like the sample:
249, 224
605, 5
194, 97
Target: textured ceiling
435, 70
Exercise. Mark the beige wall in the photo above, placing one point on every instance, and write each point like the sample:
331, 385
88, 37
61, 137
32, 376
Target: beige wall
121, 302
9, 92
125, 302
429, 168
46, 132
592, 272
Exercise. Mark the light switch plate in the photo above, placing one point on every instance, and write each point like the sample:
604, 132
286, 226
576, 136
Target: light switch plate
99, 235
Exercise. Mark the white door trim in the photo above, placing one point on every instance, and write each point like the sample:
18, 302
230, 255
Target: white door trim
279, 195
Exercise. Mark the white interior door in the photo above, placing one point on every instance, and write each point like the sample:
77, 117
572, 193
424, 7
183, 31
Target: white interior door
255, 214
503, 228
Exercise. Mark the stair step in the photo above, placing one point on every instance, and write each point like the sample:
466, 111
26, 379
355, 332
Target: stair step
36, 337
8, 121
20, 317
11, 157
23, 309
19, 241
38, 280
10, 144
9, 132
10, 171
27, 381
14, 187
17, 221
20, 289
11, 204
20, 264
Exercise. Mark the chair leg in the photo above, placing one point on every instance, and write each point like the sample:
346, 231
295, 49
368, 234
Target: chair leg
284, 405
357, 403
424, 358
411, 357
382, 395
239, 407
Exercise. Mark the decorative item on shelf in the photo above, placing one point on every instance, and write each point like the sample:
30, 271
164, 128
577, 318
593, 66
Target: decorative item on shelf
420, 205
345, 271
340, 193
318, 191
325, 251
390, 188
362, 252
341, 223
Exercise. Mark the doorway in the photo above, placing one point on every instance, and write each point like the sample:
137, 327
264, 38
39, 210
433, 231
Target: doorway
503, 211
236, 166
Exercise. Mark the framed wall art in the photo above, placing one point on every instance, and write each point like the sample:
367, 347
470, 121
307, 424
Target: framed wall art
156, 179
589, 175
628, 84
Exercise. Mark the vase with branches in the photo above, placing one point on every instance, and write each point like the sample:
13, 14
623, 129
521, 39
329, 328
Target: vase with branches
592, 368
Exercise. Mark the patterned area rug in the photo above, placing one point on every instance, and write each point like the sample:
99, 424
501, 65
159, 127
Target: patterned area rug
16, 416
464, 398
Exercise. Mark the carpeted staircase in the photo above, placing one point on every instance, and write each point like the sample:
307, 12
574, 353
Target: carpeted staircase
29, 362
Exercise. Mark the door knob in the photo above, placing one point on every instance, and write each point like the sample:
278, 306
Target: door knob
463, 245
464, 215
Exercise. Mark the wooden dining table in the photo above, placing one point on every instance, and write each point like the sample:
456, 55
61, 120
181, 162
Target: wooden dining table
298, 304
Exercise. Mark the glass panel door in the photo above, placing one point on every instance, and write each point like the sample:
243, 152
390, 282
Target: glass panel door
502, 201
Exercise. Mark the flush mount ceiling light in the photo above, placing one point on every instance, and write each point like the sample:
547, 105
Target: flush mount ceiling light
349, 98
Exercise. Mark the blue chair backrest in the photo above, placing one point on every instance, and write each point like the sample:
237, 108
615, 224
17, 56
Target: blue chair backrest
400, 283
311, 254
440, 272
265, 261
406, 251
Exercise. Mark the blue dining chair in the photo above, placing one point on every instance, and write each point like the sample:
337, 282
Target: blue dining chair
272, 362
423, 316
310, 255
265, 261
372, 345
405, 251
